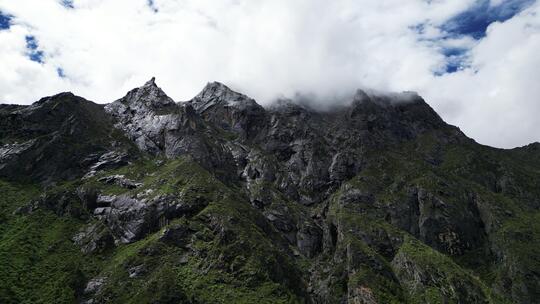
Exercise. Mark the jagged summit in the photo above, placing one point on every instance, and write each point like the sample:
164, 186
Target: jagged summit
219, 90
217, 93
143, 113
151, 82
147, 96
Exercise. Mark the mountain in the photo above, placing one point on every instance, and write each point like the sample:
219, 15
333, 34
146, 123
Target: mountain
221, 200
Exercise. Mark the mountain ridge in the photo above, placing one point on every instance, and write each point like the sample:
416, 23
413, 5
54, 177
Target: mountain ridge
219, 199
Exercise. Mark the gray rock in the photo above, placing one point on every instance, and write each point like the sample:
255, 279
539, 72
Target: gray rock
95, 238
88, 197
449, 228
109, 160
230, 110
105, 200
120, 180
102, 211
137, 271
129, 219
176, 235
10, 152
94, 286
159, 126
309, 240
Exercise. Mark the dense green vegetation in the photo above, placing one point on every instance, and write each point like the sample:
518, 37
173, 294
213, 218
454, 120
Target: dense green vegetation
42, 265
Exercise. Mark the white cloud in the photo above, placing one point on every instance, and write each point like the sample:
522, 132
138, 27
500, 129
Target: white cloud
497, 101
278, 47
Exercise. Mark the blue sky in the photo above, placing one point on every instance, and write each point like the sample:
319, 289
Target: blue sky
474, 61
475, 20
34, 53
5, 21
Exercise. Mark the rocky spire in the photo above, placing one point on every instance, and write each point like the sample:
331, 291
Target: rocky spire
151, 82
148, 96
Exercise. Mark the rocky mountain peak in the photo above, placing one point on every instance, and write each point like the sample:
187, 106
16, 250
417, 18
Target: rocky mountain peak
148, 96
151, 82
54, 101
215, 93
61, 95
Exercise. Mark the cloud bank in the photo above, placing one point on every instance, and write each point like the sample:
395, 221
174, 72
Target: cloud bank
475, 61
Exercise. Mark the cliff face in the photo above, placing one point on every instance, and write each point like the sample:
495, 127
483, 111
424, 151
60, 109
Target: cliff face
220, 200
